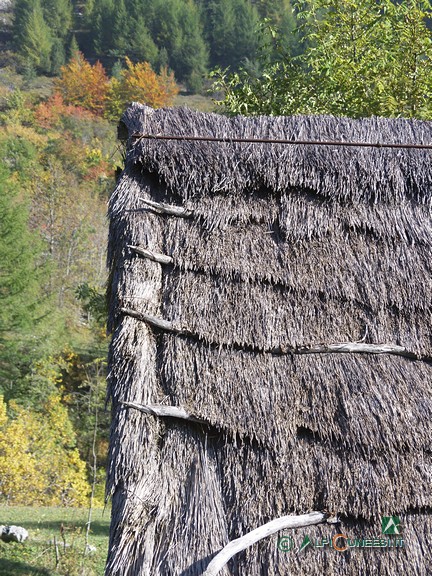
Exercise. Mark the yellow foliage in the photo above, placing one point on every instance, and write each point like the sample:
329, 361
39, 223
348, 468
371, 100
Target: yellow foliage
94, 156
139, 82
82, 84
39, 463
27, 133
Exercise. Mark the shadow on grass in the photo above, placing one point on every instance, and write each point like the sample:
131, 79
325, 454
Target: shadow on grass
97, 528
14, 568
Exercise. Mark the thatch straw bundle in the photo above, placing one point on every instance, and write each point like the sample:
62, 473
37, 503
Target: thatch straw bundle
288, 310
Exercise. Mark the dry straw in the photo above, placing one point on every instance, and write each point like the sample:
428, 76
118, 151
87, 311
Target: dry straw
270, 249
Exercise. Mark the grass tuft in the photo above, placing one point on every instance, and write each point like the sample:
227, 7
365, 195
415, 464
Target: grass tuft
66, 526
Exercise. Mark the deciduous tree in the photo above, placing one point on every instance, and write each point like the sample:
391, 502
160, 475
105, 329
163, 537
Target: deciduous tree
82, 84
39, 463
362, 58
141, 83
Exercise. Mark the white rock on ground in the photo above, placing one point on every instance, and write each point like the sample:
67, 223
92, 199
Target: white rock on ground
13, 534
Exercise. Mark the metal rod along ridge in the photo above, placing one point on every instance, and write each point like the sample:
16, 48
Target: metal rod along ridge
228, 140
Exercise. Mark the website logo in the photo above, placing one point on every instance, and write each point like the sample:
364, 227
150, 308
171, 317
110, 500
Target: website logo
390, 525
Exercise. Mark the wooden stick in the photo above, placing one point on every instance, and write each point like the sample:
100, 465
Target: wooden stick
155, 256
336, 348
56, 550
356, 347
164, 411
169, 209
154, 321
240, 544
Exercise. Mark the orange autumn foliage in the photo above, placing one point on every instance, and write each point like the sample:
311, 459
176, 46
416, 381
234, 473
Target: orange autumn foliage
84, 85
48, 114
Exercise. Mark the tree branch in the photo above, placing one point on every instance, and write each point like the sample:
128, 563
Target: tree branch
168, 209
282, 350
164, 411
240, 544
155, 256
154, 321
357, 347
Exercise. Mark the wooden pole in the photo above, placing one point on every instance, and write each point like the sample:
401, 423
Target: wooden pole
240, 544
335, 348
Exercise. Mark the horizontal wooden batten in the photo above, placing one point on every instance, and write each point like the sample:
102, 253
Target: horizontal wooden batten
332, 348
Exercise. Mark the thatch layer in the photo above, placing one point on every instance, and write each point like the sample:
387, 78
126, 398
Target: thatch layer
191, 169
367, 402
282, 247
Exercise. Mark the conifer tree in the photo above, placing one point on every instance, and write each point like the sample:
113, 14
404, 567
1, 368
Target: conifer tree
58, 16
101, 26
40, 30
231, 32
58, 56
120, 26
35, 37
20, 285
177, 27
73, 48
141, 46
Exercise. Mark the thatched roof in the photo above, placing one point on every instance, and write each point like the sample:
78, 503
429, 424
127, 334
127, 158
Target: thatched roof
285, 250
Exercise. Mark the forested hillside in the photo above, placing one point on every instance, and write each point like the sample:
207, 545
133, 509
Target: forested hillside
67, 71
187, 36
56, 173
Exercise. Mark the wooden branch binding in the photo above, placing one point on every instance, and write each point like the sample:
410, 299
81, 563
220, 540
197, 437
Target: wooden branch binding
164, 411
240, 544
155, 256
168, 209
336, 348
154, 321
356, 347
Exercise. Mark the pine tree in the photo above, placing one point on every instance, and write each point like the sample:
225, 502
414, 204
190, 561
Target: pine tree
22, 10
58, 56
231, 32
101, 26
37, 41
73, 48
20, 285
58, 16
120, 26
141, 46
177, 27
40, 30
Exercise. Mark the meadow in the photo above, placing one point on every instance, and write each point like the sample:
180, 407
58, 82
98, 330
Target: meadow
50, 549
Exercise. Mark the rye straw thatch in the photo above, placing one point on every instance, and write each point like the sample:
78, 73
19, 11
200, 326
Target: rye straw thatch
284, 247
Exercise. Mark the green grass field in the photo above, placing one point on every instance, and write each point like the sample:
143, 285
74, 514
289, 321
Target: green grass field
37, 556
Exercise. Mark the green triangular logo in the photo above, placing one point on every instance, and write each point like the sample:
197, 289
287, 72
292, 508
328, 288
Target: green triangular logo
391, 525
306, 542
